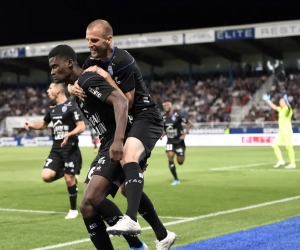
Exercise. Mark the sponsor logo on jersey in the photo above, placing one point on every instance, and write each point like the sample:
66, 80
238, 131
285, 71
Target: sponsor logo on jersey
110, 70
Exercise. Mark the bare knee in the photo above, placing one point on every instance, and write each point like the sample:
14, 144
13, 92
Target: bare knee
70, 180
180, 160
89, 201
86, 209
170, 156
48, 175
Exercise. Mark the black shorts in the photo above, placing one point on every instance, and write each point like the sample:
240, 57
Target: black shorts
178, 148
148, 130
111, 170
67, 158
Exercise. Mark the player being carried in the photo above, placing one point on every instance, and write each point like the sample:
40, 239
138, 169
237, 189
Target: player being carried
285, 133
119, 68
175, 137
64, 159
106, 109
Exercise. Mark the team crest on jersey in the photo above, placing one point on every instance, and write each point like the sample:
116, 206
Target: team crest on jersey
146, 99
110, 70
64, 109
173, 118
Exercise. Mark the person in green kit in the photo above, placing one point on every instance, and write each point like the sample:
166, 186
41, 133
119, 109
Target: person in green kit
285, 133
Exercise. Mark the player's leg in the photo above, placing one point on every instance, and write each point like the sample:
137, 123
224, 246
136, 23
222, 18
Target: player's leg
109, 212
133, 151
180, 152
172, 166
95, 192
276, 143
141, 140
147, 211
53, 167
73, 164
288, 139
72, 190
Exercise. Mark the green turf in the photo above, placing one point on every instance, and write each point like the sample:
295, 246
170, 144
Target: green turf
202, 191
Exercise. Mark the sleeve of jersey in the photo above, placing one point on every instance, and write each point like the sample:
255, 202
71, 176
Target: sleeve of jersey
77, 115
47, 117
184, 119
98, 88
125, 75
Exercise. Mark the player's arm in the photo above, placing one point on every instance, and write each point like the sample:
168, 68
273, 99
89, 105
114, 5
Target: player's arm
120, 104
39, 125
80, 126
189, 124
35, 125
128, 91
163, 135
267, 99
79, 121
99, 88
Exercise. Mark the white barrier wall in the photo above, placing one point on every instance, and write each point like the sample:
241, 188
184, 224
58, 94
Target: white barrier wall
218, 140
190, 140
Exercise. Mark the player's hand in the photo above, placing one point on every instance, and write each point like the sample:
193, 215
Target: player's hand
64, 142
266, 97
116, 150
27, 125
182, 137
145, 167
98, 70
78, 91
285, 98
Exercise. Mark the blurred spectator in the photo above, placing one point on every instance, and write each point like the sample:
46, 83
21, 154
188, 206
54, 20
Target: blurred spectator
203, 100
289, 85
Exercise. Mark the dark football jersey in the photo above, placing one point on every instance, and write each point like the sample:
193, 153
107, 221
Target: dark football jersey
173, 127
124, 70
64, 118
99, 113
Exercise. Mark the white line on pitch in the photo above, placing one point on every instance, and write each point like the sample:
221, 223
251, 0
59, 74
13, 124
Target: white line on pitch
182, 221
30, 211
247, 165
55, 212
264, 170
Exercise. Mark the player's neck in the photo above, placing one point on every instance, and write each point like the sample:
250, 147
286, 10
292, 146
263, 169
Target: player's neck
170, 112
77, 71
108, 54
61, 99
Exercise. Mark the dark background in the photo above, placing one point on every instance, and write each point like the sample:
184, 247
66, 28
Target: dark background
43, 21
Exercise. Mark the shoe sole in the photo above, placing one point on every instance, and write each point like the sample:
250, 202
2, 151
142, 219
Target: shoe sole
121, 232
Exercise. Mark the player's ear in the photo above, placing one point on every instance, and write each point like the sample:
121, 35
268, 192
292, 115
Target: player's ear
109, 40
70, 63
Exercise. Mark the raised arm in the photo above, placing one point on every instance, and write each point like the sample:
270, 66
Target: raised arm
35, 125
267, 99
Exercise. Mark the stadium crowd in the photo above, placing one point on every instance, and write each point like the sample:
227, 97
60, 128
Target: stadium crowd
289, 85
202, 100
